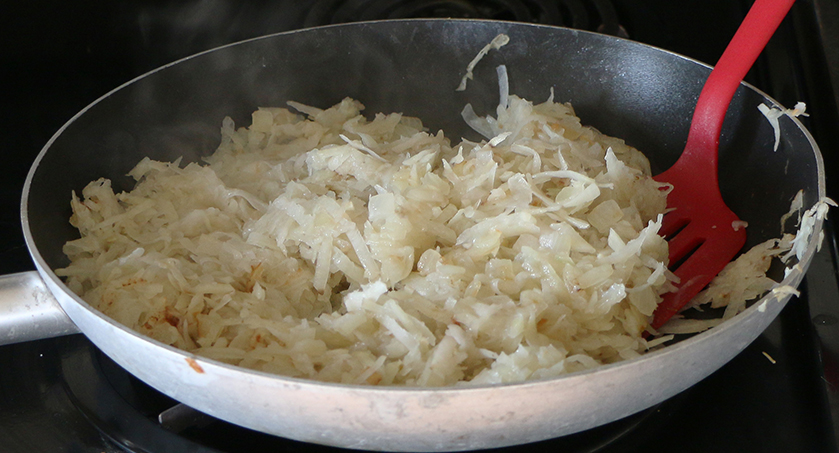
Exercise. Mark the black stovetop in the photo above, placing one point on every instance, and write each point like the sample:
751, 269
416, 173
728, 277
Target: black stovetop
63, 395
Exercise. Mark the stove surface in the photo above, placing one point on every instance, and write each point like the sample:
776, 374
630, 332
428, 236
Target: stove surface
63, 395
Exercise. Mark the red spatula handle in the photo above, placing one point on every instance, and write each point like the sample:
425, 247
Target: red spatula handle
759, 25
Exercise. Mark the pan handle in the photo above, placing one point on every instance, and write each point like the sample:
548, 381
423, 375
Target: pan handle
28, 311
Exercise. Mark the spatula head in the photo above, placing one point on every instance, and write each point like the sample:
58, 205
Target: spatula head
703, 234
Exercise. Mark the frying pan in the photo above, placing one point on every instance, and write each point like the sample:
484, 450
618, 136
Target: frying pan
642, 94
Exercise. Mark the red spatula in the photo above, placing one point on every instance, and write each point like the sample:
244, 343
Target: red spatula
700, 221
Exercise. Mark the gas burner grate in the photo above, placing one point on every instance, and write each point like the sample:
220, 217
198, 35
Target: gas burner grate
592, 15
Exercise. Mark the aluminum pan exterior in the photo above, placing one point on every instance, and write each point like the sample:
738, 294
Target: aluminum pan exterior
623, 88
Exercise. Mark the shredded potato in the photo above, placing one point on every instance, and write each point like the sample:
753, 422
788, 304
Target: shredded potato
773, 114
332, 247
